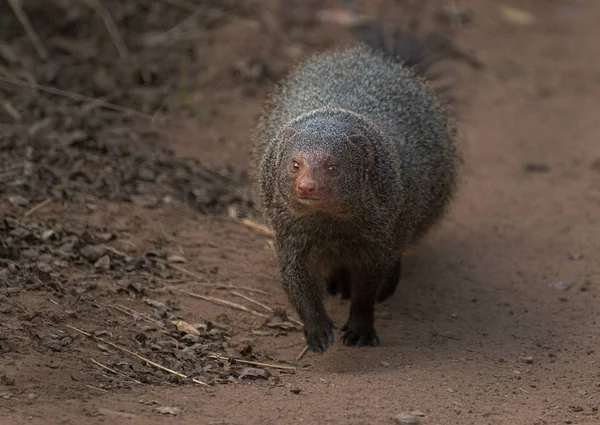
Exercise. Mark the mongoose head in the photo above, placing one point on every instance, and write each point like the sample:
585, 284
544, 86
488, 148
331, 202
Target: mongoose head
323, 163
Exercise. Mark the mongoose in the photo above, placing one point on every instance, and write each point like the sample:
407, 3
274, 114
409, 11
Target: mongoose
354, 160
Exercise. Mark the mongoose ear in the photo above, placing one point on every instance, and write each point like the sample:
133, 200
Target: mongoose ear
366, 147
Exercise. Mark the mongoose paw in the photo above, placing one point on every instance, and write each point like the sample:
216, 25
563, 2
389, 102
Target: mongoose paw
359, 332
319, 336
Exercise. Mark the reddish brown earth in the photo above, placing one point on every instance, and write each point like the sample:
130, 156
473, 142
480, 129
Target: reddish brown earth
480, 331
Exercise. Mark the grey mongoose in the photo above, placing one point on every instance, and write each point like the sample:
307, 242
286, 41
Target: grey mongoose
354, 160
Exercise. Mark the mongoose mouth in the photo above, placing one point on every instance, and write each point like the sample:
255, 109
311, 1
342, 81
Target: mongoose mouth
308, 199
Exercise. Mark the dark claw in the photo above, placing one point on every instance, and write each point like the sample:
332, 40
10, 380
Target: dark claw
359, 332
320, 336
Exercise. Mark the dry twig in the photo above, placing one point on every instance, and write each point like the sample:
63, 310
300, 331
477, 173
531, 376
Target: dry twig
266, 307
218, 301
209, 285
74, 96
17, 8
257, 227
252, 363
96, 388
131, 312
116, 372
38, 206
302, 353
148, 361
110, 25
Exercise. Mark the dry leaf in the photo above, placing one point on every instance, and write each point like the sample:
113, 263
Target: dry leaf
185, 327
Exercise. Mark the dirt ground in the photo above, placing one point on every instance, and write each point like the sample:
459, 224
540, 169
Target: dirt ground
117, 243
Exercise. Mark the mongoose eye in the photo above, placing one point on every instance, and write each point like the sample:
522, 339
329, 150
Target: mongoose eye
294, 166
332, 168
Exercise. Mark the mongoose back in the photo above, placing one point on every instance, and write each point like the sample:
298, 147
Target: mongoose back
354, 161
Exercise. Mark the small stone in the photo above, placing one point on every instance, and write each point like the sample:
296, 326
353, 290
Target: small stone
561, 286
385, 364
536, 167
18, 201
295, 390
47, 234
575, 256
7, 380
92, 253
253, 372
44, 267
167, 410
526, 359
585, 286
406, 419
454, 315
417, 413
103, 263
52, 343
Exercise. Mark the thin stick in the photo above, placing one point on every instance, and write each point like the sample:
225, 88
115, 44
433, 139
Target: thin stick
302, 353
125, 350
209, 285
218, 301
257, 227
131, 312
116, 372
17, 8
110, 25
96, 388
249, 362
74, 96
38, 206
266, 307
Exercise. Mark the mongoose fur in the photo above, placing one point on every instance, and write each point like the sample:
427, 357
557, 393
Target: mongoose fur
354, 160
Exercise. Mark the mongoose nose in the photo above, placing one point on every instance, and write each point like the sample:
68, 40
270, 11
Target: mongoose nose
306, 187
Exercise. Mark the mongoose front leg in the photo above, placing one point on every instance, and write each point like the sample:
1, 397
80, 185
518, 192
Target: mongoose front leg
390, 282
339, 282
306, 295
359, 330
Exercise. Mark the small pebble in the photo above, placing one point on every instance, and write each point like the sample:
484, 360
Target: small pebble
44, 267
103, 263
18, 201
92, 253
527, 359
295, 390
406, 419
575, 256
385, 364
561, 286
